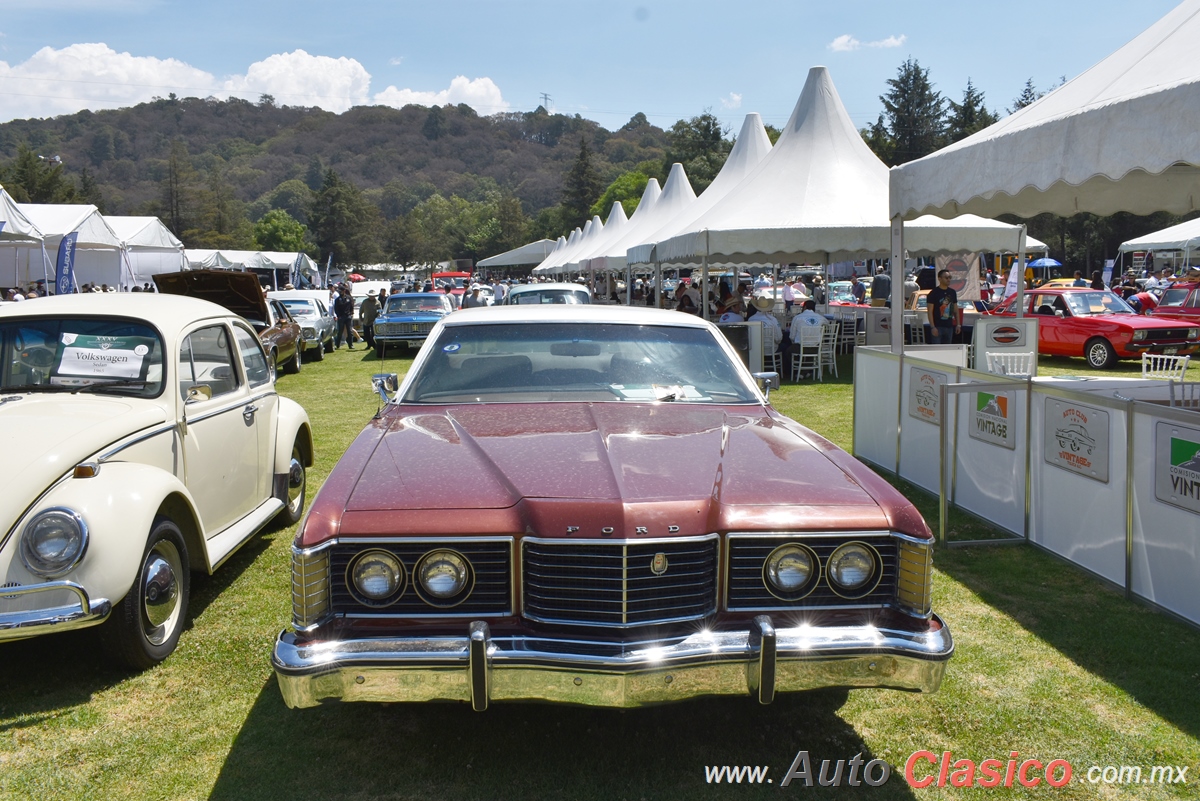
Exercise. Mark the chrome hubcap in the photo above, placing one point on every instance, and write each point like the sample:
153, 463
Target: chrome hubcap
160, 591
295, 483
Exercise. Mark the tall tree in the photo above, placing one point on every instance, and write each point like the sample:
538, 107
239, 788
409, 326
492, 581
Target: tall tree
89, 190
344, 223
279, 231
31, 178
1028, 95
880, 141
178, 189
701, 146
969, 116
627, 189
914, 113
582, 186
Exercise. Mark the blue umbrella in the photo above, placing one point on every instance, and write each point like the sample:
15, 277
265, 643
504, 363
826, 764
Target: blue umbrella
1044, 262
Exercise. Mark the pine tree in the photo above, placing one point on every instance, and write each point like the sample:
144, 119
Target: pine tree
1028, 95
880, 141
582, 186
178, 189
914, 112
969, 116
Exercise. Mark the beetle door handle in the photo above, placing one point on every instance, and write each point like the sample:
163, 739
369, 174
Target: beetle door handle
249, 411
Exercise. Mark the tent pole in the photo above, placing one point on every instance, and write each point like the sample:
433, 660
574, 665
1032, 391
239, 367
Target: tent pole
1020, 269
658, 287
704, 280
897, 298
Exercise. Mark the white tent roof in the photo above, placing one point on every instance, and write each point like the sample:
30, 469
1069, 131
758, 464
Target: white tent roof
14, 225
56, 220
143, 232
676, 196
1185, 237
532, 253
819, 196
752, 144
591, 229
614, 228
559, 246
1123, 136
551, 262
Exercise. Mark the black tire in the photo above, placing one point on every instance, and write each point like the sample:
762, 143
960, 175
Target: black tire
318, 353
144, 627
297, 487
330, 346
293, 365
1099, 353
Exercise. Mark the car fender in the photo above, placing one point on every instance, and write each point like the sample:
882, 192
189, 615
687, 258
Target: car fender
293, 423
118, 505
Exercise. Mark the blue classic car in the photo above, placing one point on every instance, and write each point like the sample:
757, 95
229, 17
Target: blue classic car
408, 318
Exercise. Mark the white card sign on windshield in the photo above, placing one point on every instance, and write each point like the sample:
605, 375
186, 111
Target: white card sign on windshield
83, 359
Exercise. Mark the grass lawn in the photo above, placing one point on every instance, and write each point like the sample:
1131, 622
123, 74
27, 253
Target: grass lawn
1051, 663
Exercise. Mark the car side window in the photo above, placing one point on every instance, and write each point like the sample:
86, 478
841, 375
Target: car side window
205, 358
257, 370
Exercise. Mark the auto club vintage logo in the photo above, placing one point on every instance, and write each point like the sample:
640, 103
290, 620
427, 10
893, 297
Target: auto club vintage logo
1076, 439
1177, 466
923, 395
992, 422
658, 564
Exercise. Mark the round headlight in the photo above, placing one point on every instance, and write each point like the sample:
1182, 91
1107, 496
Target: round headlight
443, 575
790, 570
377, 577
852, 567
54, 542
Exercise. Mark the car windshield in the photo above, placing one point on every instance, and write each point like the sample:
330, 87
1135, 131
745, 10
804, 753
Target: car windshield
81, 354
426, 302
1085, 303
1175, 296
577, 361
540, 296
301, 308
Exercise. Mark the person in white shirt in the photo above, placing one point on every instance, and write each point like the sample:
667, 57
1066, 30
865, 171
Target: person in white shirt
762, 282
498, 291
789, 296
772, 332
806, 326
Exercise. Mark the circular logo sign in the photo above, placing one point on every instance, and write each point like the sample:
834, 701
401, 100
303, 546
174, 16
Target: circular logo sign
1006, 335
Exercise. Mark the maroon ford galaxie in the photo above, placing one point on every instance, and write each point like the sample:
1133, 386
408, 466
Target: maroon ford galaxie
597, 505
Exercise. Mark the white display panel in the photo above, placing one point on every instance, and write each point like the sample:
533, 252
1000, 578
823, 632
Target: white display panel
876, 406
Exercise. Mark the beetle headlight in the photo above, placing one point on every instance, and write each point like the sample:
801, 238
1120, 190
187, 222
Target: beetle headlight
53, 542
854, 569
442, 576
376, 578
1139, 335
790, 571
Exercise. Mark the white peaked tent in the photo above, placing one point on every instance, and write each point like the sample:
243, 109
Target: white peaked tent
551, 262
819, 196
1184, 237
532, 253
614, 227
677, 195
751, 146
1123, 136
100, 257
559, 246
591, 230
150, 245
20, 247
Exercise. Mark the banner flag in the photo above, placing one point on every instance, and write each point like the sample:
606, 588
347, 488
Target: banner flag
964, 273
65, 269
328, 266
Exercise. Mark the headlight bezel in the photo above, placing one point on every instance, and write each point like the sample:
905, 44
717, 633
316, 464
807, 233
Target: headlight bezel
801, 591
356, 591
35, 563
869, 584
438, 600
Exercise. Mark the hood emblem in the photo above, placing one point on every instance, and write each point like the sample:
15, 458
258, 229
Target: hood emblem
658, 564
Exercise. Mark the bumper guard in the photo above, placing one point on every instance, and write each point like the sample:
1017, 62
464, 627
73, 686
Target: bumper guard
29, 623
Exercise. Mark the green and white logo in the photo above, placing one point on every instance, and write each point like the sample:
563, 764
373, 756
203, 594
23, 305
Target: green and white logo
1177, 466
991, 422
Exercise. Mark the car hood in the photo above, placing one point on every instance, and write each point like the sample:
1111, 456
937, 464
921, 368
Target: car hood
43, 436
410, 317
557, 461
237, 291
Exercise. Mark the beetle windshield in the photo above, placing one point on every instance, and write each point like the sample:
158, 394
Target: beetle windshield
578, 361
81, 354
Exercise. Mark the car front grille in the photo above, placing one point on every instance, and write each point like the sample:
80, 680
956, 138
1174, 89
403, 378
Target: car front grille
398, 329
1167, 335
620, 583
491, 594
747, 591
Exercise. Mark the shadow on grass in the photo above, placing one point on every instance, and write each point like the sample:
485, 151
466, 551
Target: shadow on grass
205, 588
522, 751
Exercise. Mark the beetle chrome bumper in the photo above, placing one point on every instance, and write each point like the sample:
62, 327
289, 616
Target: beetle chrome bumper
29, 623
480, 668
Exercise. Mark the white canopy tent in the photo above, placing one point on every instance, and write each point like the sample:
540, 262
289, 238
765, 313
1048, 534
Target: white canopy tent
532, 253
150, 245
1184, 237
677, 194
562, 249
559, 246
21, 258
100, 256
614, 227
204, 259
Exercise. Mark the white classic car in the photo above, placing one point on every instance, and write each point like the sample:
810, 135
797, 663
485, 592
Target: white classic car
142, 439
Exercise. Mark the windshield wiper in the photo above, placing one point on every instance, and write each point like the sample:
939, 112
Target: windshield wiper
120, 383
40, 388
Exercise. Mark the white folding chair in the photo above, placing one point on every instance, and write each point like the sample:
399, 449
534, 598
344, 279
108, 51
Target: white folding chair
916, 329
1166, 368
773, 362
829, 333
1185, 395
806, 354
847, 330
1016, 365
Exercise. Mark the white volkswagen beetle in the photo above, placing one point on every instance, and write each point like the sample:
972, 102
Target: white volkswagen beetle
141, 438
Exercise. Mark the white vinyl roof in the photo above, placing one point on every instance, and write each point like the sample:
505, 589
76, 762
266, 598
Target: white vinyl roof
677, 195
14, 225
614, 229
1122, 136
1185, 237
56, 220
532, 253
751, 146
143, 232
819, 196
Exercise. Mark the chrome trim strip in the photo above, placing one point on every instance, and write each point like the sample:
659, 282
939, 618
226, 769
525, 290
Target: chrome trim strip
154, 432
18, 625
239, 404
477, 661
523, 668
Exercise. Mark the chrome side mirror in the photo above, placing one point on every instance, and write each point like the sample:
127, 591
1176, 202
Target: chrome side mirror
385, 385
198, 393
768, 382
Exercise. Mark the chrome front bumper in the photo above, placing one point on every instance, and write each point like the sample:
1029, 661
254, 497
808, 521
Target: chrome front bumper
479, 668
30, 623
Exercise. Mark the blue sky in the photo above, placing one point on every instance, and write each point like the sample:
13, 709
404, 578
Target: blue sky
669, 59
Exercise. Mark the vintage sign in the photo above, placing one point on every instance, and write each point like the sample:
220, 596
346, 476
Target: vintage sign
1177, 466
1077, 438
82, 359
964, 273
924, 389
992, 421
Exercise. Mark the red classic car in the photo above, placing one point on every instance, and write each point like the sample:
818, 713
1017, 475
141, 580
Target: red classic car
598, 505
1179, 301
1099, 326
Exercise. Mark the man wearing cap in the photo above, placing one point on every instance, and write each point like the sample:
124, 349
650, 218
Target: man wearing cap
881, 288
772, 332
473, 300
367, 312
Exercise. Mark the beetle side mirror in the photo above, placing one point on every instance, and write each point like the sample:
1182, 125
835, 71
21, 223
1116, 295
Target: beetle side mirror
198, 393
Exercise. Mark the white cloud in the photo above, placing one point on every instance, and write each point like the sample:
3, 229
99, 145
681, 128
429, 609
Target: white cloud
847, 43
396, 61
300, 79
733, 101
481, 94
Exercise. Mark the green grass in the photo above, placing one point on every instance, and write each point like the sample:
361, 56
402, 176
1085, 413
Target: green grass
1051, 663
